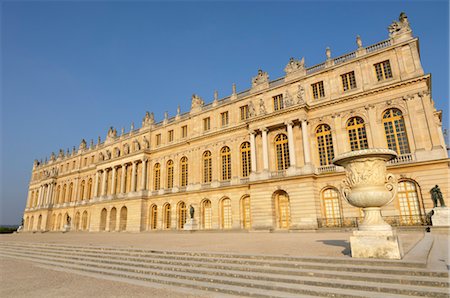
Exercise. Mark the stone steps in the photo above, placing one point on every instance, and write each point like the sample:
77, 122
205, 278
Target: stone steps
242, 275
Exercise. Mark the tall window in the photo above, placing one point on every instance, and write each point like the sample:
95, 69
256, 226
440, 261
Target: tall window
245, 159
184, 171
181, 215
153, 217
206, 124
169, 168
283, 209
207, 167
226, 163
348, 81
383, 70
325, 144
395, 131
224, 118
357, 134
82, 186
331, 208
318, 90
123, 219
157, 176
245, 209
63, 194
244, 112
408, 200
170, 136
158, 139
206, 214
278, 103
167, 216
58, 194
89, 189
281, 147
184, 131
225, 208
70, 194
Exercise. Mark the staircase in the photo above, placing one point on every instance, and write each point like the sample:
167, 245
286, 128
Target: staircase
238, 274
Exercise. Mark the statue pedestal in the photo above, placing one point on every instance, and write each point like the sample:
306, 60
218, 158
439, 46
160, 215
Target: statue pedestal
376, 244
190, 225
66, 228
441, 217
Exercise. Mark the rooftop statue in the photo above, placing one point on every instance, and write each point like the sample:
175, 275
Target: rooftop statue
197, 101
294, 65
260, 78
436, 195
399, 27
82, 144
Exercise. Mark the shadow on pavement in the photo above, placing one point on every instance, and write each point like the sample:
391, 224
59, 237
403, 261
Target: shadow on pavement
343, 243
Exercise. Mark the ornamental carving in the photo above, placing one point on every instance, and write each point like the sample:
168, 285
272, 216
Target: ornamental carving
82, 144
261, 78
262, 107
197, 102
288, 101
399, 27
146, 143
136, 145
294, 65
300, 94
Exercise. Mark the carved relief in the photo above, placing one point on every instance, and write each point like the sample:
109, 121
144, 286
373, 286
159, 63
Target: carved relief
126, 149
399, 27
148, 120
288, 101
300, 94
261, 78
82, 145
197, 102
262, 107
136, 145
294, 65
146, 143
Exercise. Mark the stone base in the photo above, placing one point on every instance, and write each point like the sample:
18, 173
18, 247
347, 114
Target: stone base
190, 225
441, 217
376, 245
66, 228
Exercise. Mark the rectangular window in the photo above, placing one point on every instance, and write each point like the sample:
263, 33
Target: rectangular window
184, 131
85, 161
224, 118
278, 103
206, 124
383, 70
158, 139
67, 167
170, 136
74, 163
92, 159
348, 81
244, 112
318, 90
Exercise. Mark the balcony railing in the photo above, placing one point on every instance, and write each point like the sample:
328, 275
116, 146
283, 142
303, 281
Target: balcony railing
403, 158
353, 222
326, 169
277, 174
344, 58
378, 46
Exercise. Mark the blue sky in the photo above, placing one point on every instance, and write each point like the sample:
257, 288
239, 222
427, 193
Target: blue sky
69, 70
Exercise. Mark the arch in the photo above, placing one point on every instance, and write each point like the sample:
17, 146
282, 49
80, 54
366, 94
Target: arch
58, 222
89, 189
77, 221
157, 176
26, 225
356, 131
58, 194
82, 186
331, 207
84, 221
282, 209
409, 202
206, 214
112, 219
246, 162
153, 217
282, 150
324, 144
245, 212
123, 219
181, 214
53, 223
30, 203
169, 168
39, 223
225, 157
167, 217
395, 131
226, 215
103, 216
63, 194
184, 171
32, 223
207, 167
70, 194
118, 180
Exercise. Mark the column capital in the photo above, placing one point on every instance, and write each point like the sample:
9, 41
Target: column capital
264, 129
289, 122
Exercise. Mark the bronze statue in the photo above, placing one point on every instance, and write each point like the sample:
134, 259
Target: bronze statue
436, 195
191, 211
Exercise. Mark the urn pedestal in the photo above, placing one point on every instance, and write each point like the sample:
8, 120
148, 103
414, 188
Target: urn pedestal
441, 217
368, 186
190, 225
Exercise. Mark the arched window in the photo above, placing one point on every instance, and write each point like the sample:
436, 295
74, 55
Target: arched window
181, 215
207, 167
395, 131
89, 189
153, 217
112, 219
36, 198
32, 223
70, 194
324, 144
331, 207
39, 223
225, 156
206, 215
58, 222
123, 219
184, 171
64, 191
167, 216
281, 147
118, 179
103, 215
30, 203
225, 212
246, 163
169, 168
53, 224
58, 194
357, 134
157, 176
245, 210
84, 221
82, 186
76, 221
408, 202
283, 212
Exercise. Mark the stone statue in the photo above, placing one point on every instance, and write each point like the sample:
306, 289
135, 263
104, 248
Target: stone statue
116, 152
328, 53
101, 156
91, 145
191, 211
108, 154
83, 144
178, 110
294, 65
166, 116
68, 220
146, 143
300, 95
61, 153
99, 140
251, 109
137, 146
262, 107
436, 195
233, 88
111, 132
358, 41
132, 126
260, 78
122, 132
399, 27
73, 150
287, 99
196, 102
126, 149
148, 119
216, 95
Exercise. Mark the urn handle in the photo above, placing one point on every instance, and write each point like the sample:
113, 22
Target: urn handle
345, 191
391, 186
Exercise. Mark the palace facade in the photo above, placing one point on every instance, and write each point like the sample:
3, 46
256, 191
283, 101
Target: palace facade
260, 159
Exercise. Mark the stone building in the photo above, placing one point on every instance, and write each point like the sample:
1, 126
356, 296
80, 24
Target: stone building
260, 159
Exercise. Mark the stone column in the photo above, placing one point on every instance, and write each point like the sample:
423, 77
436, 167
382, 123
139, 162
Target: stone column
113, 182
41, 195
265, 150
47, 199
306, 146
104, 176
96, 190
122, 181
50, 193
133, 177
144, 174
292, 158
253, 151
